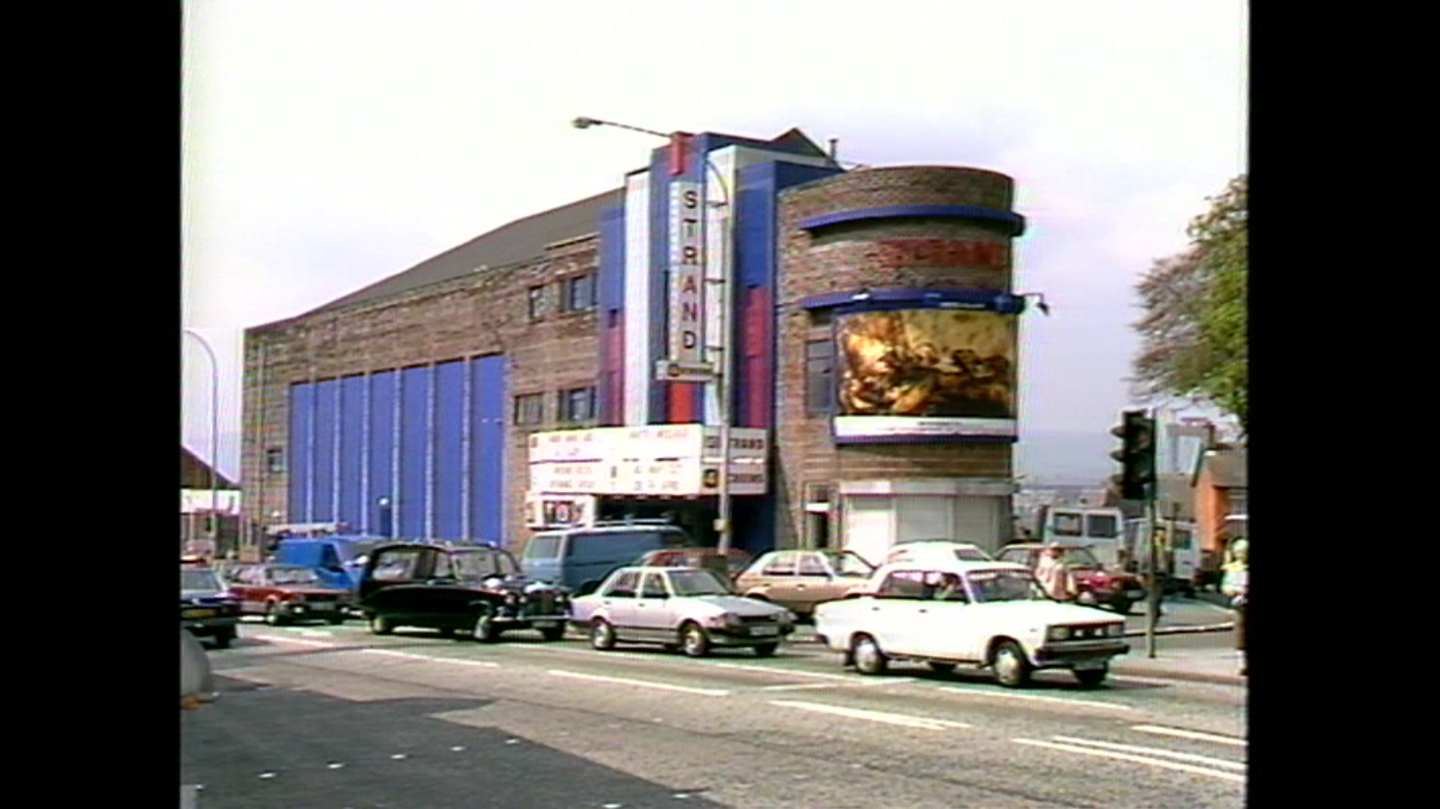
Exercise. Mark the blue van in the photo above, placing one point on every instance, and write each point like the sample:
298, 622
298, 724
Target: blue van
580, 558
337, 560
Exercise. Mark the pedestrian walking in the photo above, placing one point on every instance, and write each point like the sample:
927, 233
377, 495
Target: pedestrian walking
1054, 576
1236, 585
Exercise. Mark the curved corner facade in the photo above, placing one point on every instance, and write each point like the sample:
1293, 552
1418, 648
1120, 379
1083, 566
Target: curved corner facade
897, 358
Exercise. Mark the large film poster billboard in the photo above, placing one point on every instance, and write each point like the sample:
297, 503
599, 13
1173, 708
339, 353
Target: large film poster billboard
918, 374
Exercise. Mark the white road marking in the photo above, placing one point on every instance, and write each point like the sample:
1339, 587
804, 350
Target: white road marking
1154, 751
853, 679
429, 659
1153, 762
705, 692
286, 639
1192, 734
313, 633
1001, 695
922, 722
799, 687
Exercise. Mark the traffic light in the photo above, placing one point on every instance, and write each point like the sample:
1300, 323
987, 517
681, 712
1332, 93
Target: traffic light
1136, 456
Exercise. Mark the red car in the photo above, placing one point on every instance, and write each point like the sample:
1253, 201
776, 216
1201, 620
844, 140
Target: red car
286, 594
1098, 585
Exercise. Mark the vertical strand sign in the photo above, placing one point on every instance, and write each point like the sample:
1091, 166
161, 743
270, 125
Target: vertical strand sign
685, 362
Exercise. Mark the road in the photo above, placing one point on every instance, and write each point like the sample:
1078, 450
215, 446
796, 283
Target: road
334, 716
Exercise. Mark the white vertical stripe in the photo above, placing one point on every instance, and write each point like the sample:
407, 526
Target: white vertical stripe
637, 362
724, 161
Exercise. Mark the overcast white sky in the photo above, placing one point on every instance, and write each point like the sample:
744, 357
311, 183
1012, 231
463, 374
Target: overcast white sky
328, 144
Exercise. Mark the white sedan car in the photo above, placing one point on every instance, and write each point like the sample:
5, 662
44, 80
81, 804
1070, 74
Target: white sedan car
983, 614
687, 608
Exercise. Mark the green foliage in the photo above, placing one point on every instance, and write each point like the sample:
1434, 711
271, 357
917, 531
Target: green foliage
1194, 331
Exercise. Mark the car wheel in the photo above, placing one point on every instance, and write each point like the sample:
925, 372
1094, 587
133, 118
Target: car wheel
273, 616
1122, 606
602, 635
1087, 598
380, 625
486, 630
941, 668
694, 640
223, 638
1090, 678
766, 649
334, 619
1012, 669
868, 657
553, 632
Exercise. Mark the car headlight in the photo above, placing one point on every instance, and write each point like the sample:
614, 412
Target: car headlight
1057, 633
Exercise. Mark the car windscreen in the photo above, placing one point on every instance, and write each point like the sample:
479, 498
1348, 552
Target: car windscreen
851, 565
1004, 585
543, 548
697, 583
293, 575
199, 579
1079, 557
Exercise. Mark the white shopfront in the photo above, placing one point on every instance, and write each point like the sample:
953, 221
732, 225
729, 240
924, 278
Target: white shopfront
878, 514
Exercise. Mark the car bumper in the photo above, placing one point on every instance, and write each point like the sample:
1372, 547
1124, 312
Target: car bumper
301, 610
1070, 654
211, 625
749, 635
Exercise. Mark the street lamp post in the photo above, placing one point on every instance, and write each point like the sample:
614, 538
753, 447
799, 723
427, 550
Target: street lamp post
214, 522
723, 371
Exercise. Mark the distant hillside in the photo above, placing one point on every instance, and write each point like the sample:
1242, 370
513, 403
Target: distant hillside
1047, 456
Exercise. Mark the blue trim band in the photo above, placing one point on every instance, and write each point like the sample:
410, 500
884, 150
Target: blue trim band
1014, 220
881, 299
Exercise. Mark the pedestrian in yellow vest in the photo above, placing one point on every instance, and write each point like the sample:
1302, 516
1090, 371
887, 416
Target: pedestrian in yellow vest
1236, 584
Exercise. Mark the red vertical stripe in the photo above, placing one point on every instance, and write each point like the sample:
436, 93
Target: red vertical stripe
682, 402
679, 152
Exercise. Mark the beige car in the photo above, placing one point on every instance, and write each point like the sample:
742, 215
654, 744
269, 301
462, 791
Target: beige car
800, 579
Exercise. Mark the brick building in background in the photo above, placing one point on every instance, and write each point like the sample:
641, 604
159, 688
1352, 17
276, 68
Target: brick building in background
556, 369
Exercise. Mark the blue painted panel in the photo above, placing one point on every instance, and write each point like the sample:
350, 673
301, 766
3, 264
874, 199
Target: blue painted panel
612, 308
379, 519
449, 450
322, 494
302, 407
414, 501
1015, 221
487, 450
351, 508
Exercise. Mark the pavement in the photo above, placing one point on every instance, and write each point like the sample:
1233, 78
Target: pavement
1175, 658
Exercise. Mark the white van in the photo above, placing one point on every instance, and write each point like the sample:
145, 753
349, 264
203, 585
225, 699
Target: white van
1100, 528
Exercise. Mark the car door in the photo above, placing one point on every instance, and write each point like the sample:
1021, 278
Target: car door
815, 581
943, 621
617, 603
895, 612
777, 580
654, 611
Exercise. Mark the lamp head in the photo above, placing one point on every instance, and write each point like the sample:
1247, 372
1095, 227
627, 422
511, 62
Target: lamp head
584, 123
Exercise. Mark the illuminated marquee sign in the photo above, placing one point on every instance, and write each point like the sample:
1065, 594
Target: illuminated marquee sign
686, 360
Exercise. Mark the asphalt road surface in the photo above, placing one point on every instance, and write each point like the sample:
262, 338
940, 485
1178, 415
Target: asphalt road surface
337, 717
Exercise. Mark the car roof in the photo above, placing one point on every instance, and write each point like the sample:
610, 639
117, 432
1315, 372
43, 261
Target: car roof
950, 565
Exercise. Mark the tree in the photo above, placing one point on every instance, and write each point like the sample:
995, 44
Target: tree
1194, 331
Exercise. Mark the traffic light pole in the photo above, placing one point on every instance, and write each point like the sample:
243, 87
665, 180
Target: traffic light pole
1155, 586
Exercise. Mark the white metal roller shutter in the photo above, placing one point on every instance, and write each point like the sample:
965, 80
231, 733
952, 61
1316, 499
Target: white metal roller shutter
924, 517
977, 520
869, 526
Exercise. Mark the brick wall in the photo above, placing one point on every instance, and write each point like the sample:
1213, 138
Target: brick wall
485, 313
916, 253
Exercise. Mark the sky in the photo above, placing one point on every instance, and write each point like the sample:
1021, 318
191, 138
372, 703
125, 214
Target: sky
328, 144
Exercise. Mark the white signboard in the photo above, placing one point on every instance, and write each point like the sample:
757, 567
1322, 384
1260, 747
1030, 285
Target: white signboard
195, 501
656, 459
686, 360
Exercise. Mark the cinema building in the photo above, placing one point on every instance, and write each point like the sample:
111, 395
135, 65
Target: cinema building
854, 333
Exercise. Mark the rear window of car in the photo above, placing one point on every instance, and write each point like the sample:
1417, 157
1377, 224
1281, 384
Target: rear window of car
198, 579
971, 555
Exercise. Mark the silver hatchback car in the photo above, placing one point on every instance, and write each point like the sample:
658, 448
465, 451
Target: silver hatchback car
693, 610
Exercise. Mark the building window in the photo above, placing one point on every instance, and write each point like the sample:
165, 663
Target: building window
579, 293
577, 404
537, 303
275, 460
819, 377
529, 409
